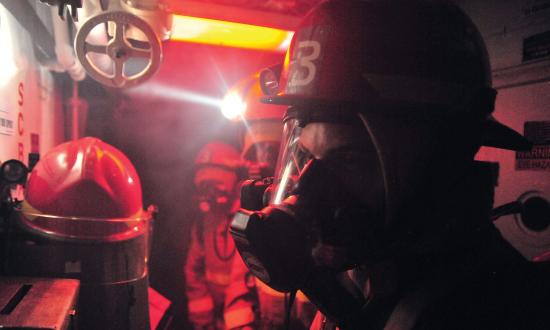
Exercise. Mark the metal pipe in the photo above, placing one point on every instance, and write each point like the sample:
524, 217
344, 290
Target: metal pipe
63, 49
75, 106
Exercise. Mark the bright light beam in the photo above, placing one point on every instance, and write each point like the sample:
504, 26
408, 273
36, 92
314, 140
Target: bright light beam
176, 94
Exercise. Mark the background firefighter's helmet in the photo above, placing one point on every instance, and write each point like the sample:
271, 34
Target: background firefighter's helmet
216, 167
217, 160
85, 189
250, 91
262, 122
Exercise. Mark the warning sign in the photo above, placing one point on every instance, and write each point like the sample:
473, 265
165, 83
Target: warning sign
538, 158
531, 8
536, 47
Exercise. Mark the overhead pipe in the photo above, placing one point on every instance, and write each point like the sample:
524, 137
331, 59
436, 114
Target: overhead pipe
154, 12
64, 49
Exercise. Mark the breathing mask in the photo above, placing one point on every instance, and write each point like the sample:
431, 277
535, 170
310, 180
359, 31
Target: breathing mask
213, 197
322, 205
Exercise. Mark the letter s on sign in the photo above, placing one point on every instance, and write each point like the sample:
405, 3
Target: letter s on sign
305, 61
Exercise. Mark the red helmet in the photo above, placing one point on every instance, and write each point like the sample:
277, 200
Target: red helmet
218, 154
85, 189
215, 159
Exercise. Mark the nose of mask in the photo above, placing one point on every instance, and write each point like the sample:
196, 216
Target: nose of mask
212, 197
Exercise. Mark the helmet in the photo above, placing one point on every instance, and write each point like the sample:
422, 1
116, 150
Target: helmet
216, 167
84, 190
263, 122
217, 154
216, 160
250, 91
435, 56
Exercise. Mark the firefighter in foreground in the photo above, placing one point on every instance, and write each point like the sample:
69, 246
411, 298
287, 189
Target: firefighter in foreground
210, 256
249, 302
389, 103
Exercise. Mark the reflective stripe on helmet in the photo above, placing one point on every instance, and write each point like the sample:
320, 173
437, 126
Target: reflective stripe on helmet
267, 290
270, 292
300, 296
199, 305
239, 317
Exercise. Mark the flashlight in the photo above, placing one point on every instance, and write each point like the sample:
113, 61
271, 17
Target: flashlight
233, 106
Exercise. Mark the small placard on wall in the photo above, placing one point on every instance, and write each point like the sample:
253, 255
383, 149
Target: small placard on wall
531, 8
538, 158
536, 47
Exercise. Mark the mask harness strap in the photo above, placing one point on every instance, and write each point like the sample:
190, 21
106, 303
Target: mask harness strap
288, 307
224, 255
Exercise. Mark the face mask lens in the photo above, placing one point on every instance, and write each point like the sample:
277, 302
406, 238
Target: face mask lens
212, 192
291, 162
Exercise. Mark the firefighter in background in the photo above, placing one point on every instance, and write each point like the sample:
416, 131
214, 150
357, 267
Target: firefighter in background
249, 302
388, 118
209, 259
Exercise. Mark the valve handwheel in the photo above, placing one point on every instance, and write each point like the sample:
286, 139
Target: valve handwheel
118, 49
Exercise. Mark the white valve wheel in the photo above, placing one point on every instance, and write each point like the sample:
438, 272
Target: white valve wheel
118, 49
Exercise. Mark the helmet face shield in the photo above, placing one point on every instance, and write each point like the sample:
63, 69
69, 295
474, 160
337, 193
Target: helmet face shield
79, 228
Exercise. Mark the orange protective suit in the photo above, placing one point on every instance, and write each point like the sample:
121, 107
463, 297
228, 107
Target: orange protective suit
251, 303
207, 271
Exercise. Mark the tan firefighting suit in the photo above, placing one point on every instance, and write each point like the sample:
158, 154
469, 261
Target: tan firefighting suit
249, 302
207, 271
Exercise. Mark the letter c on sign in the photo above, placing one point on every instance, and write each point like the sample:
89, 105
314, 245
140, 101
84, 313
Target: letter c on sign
20, 121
